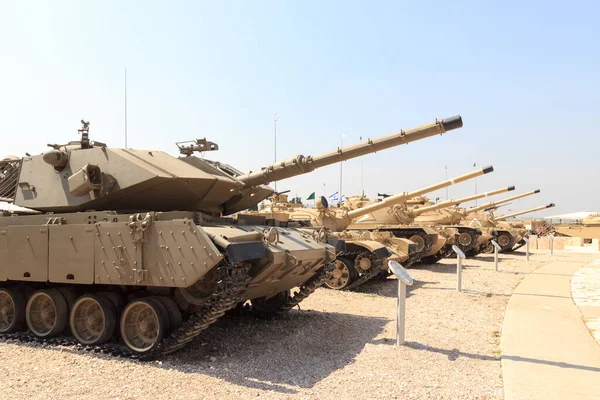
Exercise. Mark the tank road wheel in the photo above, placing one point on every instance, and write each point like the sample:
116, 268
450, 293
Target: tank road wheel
202, 290
504, 240
143, 324
419, 241
344, 273
93, 319
465, 239
175, 317
271, 306
46, 313
488, 248
12, 311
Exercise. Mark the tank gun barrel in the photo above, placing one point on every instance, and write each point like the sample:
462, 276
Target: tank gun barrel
450, 203
507, 216
498, 202
401, 197
300, 164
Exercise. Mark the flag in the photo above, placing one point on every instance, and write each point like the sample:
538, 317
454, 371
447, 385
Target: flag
311, 197
276, 117
343, 198
334, 197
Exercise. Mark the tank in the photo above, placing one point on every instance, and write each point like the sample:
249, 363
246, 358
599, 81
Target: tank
520, 229
483, 217
135, 252
440, 237
441, 217
587, 228
364, 257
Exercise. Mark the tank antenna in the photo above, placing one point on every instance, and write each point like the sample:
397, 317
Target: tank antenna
84, 132
275, 118
125, 107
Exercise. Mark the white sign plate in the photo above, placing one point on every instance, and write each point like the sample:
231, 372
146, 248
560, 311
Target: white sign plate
400, 272
458, 251
496, 245
526, 240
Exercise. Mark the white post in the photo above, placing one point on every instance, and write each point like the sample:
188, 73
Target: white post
401, 315
551, 244
403, 279
496, 250
526, 248
459, 257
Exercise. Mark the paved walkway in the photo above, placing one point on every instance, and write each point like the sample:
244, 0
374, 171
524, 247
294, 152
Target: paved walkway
547, 350
585, 289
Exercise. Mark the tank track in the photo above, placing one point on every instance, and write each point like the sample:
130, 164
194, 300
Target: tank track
474, 237
368, 275
233, 282
519, 245
305, 290
507, 248
406, 234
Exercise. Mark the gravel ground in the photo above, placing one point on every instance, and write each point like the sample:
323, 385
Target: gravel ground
340, 345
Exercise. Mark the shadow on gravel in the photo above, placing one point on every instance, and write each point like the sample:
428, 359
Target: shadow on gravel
389, 287
453, 354
295, 350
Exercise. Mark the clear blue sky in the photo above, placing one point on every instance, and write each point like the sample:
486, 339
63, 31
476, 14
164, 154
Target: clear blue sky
525, 78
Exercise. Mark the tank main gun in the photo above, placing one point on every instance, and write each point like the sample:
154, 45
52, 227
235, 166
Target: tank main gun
402, 197
88, 175
498, 202
449, 203
339, 219
303, 164
505, 217
402, 214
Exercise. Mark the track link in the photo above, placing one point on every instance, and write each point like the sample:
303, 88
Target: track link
233, 282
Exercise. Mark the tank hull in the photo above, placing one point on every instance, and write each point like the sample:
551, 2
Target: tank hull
198, 267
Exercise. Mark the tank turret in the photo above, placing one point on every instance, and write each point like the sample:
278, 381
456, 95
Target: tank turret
505, 217
339, 219
88, 175
405, 215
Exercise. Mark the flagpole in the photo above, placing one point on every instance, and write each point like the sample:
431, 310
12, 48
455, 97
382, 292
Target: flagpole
275, 145
446, 167
362, 177
341, 167
125, 107
475, 166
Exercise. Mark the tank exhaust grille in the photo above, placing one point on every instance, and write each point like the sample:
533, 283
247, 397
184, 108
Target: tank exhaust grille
9, 179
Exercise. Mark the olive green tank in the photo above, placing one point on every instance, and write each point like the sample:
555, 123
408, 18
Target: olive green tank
136, 246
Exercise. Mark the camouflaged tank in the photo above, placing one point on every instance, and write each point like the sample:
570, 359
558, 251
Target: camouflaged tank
360, 262
132, 253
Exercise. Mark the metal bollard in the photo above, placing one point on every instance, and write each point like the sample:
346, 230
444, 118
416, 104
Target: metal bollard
526, 248
404, 279
459, 257
551, 238
496, 250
